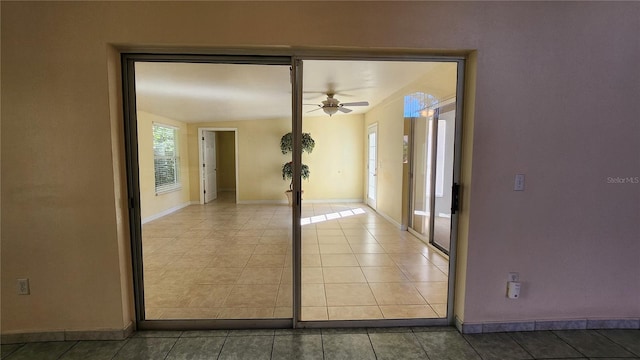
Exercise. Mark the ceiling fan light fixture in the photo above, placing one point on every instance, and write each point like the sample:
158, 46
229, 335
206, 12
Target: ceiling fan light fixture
330, 110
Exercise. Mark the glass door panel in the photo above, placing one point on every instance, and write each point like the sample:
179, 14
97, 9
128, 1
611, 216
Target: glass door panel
446, 117
216, 243
421, 190
357, 262
433, 136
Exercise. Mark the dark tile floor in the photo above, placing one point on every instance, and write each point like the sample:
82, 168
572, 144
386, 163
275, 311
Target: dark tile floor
352, 344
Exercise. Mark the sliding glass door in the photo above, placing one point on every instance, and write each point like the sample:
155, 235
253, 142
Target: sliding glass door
211, 246
306, 166
433, 129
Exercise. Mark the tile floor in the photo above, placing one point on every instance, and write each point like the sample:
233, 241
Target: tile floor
229, 261
329, 344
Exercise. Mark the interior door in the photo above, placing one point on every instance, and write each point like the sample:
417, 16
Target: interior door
372, 165
210, 167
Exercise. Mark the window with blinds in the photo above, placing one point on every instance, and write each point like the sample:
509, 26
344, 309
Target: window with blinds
165, 158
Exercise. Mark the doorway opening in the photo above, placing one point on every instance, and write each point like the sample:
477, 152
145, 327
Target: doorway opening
218, 156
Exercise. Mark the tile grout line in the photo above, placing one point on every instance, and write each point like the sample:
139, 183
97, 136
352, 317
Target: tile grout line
172, 346
14, 350
372, 347
420, 342
273, 344
472, 347
521, 345
322, 340
223, 344
571, 346
599, 331
66, 351
126, 341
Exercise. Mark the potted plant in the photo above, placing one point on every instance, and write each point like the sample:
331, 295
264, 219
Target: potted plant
286, 146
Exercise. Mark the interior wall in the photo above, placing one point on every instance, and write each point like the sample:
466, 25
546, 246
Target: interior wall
259, 158
555, 98
335, 163
152, 204
390, 120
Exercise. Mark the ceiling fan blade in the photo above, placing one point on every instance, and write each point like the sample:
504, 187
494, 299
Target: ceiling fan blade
357, 103
314, 109
344, 110
313, 105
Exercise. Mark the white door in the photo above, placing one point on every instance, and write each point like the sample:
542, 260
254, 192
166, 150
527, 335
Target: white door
209, 167
372, 165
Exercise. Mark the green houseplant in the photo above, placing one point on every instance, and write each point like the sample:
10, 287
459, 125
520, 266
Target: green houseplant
286, 146
286, 143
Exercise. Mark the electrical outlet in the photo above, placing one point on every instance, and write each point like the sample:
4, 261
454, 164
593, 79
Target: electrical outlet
519, 183
513, 276
23, 287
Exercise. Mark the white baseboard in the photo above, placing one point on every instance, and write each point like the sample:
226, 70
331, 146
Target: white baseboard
262, 202
329, 201
304, 201
167, 212
389, 219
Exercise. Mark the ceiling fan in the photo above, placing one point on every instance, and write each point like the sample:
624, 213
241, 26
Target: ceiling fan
332, 105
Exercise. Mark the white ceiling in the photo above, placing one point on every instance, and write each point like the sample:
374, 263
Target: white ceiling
220, 92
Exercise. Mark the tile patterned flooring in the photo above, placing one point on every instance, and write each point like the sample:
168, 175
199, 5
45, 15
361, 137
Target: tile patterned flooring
228, 261
330, 344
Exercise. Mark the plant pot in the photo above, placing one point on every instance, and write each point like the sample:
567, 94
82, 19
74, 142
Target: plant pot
289, 195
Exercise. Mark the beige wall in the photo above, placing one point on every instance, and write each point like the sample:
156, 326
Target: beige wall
390, 120
337, 161
259, 158
546, 74
153, 205
335, 164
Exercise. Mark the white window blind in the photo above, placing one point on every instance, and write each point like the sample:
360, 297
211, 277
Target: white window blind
166, 158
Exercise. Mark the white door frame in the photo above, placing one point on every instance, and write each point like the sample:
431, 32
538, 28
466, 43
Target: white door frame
373, 128
201, 158
209, 148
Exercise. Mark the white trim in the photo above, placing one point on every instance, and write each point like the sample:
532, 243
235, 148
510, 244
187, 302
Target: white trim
262, 202
165, 212
320, 201
328, 201
389, 219
372, 129
165, 189
165, 125
201, 159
